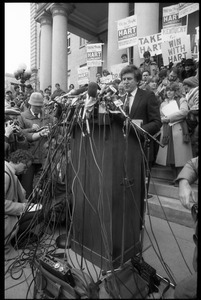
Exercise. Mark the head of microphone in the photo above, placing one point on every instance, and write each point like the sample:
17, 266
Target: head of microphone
79, 91
111, 91
91, 99
55, 101
92, 89
103, 90
77, 94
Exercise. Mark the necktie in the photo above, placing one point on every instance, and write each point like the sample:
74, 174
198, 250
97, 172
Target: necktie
126, 103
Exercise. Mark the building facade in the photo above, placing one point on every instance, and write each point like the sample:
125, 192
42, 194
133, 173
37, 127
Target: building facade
60, 31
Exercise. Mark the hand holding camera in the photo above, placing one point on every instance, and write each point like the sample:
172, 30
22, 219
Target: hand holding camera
9, 128
12, 127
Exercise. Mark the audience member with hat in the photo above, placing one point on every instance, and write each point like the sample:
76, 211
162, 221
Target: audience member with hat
189, 68
31, 121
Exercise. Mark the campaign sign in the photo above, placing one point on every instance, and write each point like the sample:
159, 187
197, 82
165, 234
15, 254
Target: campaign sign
116, 69
171, 33
151, 43
197, 34
176, 49
187, 8
106, 79
171, 16
94, 55
127, 32
83, 75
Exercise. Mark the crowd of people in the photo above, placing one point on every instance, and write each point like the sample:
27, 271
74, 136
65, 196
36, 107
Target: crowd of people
175, 88
174, 84
165, 99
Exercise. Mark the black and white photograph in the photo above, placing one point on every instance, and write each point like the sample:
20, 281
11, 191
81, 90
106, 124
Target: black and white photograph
101, 150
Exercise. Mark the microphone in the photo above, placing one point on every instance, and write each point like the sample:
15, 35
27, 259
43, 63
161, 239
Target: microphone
79, 91
92, 89
103, 90
90, 102
55, 100
111, 91
91, 98
119, 104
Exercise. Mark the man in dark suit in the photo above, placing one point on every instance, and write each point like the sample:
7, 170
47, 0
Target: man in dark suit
139, 105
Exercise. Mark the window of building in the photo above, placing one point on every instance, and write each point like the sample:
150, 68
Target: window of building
68, 42
82, 42
68, 79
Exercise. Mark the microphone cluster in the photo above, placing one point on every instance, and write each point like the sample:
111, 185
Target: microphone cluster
85, 100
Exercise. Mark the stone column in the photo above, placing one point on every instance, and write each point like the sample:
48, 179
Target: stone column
147, 24
115, 12
59, 47
45, 51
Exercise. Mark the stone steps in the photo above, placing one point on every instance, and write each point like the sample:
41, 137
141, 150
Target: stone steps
162, 187
161, 172
169, 209
165, 203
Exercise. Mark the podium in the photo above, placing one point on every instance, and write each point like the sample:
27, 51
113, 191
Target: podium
108, 194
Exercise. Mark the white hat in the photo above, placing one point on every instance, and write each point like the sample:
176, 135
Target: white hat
36, 99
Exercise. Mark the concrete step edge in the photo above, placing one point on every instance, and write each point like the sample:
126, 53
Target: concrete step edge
167, 181
163, 172
161, 187
169, 209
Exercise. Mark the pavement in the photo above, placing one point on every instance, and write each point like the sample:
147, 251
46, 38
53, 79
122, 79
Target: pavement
167, 247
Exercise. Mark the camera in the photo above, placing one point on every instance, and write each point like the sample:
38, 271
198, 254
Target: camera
12, 103
16, 123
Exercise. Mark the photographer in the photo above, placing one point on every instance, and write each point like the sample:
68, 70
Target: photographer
34, 124
21, 219
13, 137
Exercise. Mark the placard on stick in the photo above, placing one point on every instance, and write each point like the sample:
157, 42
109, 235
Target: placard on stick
176, 49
